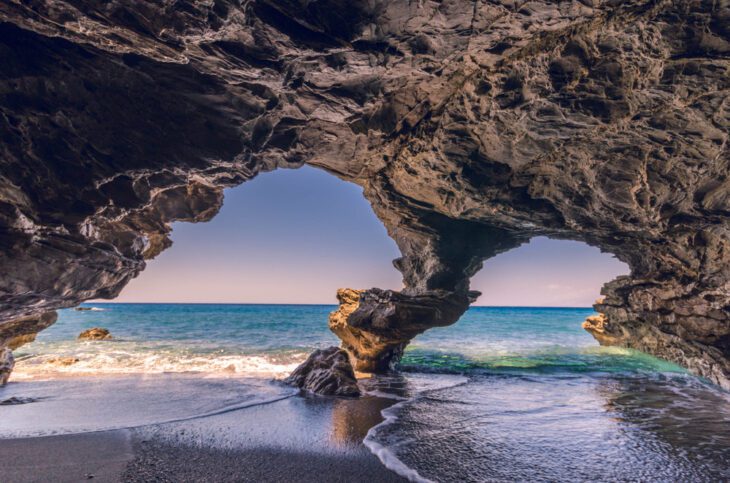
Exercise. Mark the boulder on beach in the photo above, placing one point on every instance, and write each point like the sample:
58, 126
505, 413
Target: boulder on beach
7, 362
327, 372
96, 333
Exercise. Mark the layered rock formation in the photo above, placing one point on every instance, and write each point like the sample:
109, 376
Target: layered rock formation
471, 126
18, 332
23, 330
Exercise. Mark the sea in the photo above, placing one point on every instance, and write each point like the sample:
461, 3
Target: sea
505, 394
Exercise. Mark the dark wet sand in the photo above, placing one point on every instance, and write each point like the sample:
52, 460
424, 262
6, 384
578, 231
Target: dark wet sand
299, 439
67, 458
164, 463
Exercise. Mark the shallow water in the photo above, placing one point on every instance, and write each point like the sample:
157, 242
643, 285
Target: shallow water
506, 394
90, 404
561, 428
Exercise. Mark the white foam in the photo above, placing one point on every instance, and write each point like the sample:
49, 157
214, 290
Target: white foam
422, 385
119, 361
385, 455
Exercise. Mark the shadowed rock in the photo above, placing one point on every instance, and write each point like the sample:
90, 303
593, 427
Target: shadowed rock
96, 333
471, 127
7, 362
327, 372
23, 330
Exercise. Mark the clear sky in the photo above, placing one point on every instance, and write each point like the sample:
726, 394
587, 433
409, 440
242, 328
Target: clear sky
295, 236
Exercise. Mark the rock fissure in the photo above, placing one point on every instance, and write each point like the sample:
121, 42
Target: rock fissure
471, 126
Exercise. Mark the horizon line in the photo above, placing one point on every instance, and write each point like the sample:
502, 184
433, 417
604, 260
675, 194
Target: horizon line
329, 304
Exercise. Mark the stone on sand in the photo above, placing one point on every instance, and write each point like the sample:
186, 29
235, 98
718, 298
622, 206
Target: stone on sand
327, 372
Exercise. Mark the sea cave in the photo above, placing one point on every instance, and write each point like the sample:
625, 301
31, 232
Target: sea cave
472, 128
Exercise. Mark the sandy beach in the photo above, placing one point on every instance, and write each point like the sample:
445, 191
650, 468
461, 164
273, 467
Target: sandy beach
300, 438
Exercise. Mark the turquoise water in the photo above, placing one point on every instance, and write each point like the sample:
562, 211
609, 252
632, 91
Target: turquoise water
505, 394
269, 340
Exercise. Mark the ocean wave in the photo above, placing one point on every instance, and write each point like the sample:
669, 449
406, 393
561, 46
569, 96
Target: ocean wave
112, 362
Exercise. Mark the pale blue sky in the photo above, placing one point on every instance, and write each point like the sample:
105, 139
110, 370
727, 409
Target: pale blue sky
295, 236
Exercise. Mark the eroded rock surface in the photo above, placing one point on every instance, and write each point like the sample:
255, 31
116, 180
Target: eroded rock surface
327, 372
471, 126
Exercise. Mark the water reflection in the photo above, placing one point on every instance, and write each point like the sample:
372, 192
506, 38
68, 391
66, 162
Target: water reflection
565, 427
353, 418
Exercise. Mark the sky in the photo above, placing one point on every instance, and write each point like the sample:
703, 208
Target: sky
296, 236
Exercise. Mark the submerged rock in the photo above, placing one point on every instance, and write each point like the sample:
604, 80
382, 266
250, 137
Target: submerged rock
7, 362
327, 372
96, 333
62, 361
15, 401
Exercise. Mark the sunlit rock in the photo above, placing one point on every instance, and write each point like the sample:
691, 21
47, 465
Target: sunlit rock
95, 333
376, 325
62, 361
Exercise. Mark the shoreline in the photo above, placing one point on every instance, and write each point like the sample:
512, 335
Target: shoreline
123, 455
300, 437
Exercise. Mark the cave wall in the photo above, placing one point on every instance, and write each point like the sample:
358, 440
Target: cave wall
471, 126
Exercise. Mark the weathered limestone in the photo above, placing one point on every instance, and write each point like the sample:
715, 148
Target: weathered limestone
471, 126
327, 372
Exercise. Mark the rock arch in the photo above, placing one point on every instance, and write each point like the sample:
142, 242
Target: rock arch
471, 127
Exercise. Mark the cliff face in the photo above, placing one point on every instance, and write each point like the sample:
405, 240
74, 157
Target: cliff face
472, 127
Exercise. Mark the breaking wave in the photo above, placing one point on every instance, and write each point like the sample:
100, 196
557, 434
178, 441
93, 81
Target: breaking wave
103, 358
